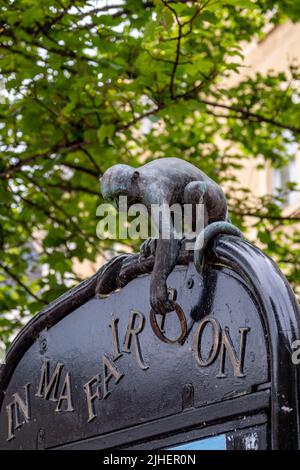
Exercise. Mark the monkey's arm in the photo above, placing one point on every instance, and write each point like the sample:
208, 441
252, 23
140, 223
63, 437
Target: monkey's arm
167, 250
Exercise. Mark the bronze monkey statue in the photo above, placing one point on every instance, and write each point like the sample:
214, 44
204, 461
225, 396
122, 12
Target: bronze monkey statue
164, 181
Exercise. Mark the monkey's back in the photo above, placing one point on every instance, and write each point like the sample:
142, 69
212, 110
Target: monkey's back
174, 169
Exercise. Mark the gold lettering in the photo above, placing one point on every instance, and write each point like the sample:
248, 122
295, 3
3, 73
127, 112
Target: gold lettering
17, 408
216, 330
10, 416
131, 337
115, 339
65, 395
91, 396
47, 389
109, 371
236, 361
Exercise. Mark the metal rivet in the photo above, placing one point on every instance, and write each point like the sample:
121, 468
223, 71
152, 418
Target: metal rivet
41, 439
187, 396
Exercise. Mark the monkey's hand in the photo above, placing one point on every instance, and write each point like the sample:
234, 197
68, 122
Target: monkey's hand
148, 248
159, 298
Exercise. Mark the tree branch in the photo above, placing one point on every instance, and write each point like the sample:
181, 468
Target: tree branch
88, 171
177, 53
267, 216
56, 148
140, 117
67, 217
248, 114
20, 283
69, 188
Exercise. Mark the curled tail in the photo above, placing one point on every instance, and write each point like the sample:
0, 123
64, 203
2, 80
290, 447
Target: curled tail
209, 232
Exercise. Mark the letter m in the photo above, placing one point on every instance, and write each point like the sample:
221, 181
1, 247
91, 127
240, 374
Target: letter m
48, 386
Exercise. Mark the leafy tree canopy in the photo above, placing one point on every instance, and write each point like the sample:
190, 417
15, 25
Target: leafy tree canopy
88, 83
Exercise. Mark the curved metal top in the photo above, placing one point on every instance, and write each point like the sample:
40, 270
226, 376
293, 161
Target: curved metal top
280, 316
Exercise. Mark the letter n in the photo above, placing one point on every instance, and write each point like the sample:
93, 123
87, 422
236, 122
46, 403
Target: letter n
237, 361
18, 412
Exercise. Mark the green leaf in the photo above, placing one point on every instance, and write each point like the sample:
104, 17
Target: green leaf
208, 16
105, 131
241, 3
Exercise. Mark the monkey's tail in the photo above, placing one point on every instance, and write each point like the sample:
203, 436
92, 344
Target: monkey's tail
209, 232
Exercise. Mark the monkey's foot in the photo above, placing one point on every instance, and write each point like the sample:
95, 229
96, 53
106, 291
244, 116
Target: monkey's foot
160, 297
148, 248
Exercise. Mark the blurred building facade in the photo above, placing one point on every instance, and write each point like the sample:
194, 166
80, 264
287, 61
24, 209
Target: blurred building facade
279, 48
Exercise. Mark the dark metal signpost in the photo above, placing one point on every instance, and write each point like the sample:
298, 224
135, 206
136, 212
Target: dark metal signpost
98, 369
88, 372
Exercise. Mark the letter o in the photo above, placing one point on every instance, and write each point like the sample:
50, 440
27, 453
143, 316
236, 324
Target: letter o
216, 341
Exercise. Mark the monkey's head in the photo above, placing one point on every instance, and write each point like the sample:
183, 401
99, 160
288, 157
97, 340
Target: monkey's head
120, 180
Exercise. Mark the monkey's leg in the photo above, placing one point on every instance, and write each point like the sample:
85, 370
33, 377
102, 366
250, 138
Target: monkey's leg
165, 260
194, 192
195, 212
215, 202
167, 250
211, 196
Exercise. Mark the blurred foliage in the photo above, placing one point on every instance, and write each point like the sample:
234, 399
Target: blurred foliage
91, 83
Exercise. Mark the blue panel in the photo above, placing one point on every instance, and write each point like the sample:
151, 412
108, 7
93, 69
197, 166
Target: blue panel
211, 443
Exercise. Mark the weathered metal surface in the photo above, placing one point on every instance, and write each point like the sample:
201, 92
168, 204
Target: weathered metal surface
90, 373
